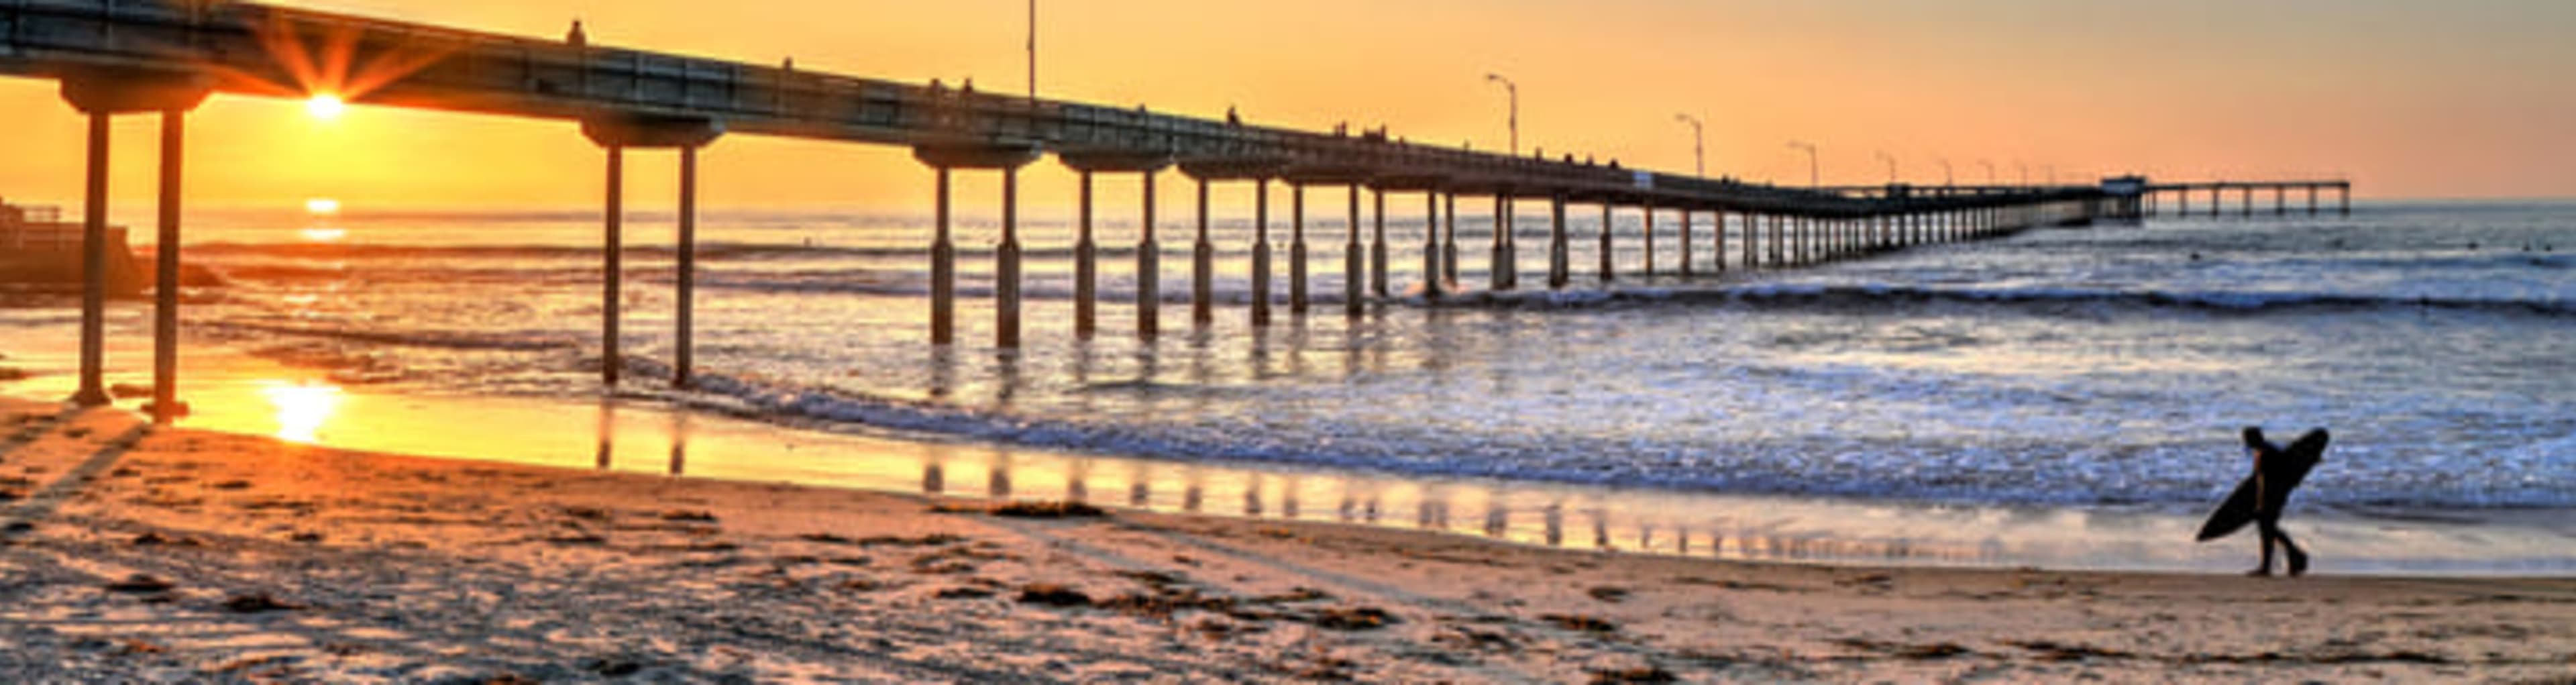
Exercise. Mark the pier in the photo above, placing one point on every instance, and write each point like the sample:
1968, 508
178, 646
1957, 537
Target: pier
165, 57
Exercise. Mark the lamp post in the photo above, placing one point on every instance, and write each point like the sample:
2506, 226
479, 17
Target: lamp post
1699, 139
1947, 178
2025, 172
1515, 90
1990, 171
1814, 175
1033, 53
1891, 165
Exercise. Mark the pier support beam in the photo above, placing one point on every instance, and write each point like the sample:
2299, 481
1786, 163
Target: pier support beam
1609, 250
943, 266
1149, 269
1686, 242
1202, 266
1006, 158
684, 302
1449, 240
612, 360
1354, 302
1296, 249
1086, 266
1503, 270
1558, 262
1377, 242
1261, 253
1717, 240
1649, 211
2345, 198
1432, 285
101, 95
2312, 200
1149, 252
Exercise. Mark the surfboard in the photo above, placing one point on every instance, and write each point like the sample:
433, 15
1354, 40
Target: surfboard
2238, 509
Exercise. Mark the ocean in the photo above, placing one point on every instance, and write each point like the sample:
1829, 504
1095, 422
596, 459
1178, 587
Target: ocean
2087, 374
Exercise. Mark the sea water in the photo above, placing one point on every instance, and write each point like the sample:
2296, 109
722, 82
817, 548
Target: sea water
2096, 371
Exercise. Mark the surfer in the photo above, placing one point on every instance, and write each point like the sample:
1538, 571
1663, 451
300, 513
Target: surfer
2262, 495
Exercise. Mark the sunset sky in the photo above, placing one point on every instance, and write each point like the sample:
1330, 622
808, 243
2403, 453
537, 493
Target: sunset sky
2409, 99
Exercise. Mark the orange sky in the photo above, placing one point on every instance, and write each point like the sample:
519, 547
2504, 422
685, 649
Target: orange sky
2410, 99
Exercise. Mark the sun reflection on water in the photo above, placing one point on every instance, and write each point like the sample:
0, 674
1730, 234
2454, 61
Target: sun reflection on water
301, 408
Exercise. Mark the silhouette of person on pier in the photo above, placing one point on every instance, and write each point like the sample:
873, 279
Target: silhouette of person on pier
575, 36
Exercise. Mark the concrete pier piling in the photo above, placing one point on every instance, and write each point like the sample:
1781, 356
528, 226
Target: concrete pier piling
1558, 261
1202, 266
613, 267
1685, 244
1086, 267
1609, 250
1261, 253
1377, 243
1717, 241
684, 303
1449, 240
1649, 239
943, 266
165, 289
1354, 277
687, 136
1502, 259
1006, 266
1432, 285
1297, 249
100, 95
93, 322
1149, 268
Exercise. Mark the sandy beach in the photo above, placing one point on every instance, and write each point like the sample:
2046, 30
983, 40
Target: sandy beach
184, 556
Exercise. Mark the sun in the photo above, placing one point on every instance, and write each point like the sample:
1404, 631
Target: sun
326, 106
322, 206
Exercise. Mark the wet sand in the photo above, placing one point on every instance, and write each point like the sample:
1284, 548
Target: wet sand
178, 555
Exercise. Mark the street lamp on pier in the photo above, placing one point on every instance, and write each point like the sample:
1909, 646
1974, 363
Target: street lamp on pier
1814, 174
1990, 171
1891, 165
1947, 179
1515, 90
1699, 140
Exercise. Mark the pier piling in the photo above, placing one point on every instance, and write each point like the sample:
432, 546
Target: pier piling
1686, 242
1377, 242
1354, 275
613, 266
943, 268
1202, 266
93, 331
1297, 249
1557, 259
1261, 252
1649, 227
1609, 252
685, 300
1149, 269
1086, 269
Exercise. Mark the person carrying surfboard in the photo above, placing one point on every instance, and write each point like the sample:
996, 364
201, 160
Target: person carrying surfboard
2260, 498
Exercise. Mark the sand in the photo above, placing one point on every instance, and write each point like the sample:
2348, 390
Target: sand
183, 556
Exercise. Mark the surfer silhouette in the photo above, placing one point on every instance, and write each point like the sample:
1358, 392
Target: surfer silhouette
2260, 498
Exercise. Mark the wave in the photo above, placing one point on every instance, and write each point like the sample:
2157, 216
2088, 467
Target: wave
1837, 296
453, 340
1567, 459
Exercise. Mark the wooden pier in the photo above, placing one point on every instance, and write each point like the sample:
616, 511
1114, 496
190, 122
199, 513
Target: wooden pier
117, 57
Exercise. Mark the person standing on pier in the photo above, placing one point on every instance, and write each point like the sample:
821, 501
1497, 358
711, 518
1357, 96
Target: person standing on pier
575, 36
